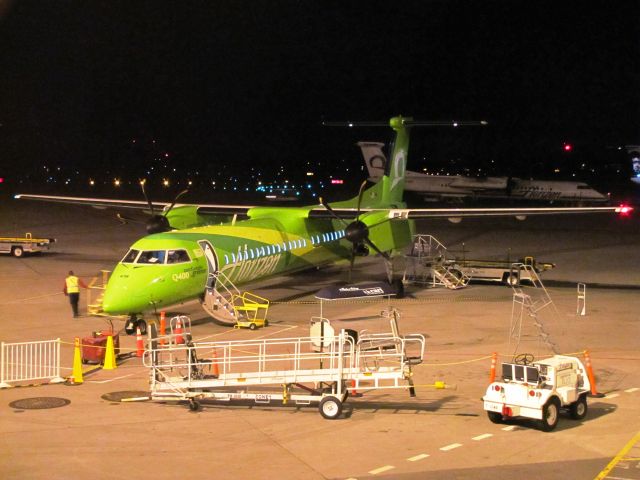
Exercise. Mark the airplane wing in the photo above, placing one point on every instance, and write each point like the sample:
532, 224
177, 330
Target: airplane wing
456, 213
141, 205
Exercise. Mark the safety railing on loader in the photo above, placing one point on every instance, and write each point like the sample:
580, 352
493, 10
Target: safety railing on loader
95, 293
281, 369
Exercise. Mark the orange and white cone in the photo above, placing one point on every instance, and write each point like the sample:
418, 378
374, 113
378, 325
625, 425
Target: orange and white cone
139, 343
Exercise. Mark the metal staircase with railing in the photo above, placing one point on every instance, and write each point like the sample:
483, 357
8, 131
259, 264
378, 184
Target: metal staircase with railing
227, 305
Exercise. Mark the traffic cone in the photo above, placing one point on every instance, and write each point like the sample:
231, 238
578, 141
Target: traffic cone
492, 371
109, 355
214, 364
139, 343
76, 374
592, 378
163, 327
178, 333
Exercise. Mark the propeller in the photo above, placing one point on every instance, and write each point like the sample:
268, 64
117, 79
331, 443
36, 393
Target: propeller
357, 232
158, 222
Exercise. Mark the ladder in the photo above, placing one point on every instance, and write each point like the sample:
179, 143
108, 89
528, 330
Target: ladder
227, 305
95, 293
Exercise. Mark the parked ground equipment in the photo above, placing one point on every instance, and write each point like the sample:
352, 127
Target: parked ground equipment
318, 369
95, 346
539, 390
18, 246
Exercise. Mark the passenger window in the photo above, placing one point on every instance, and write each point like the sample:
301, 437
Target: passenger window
130, 256
177, 256
155, 257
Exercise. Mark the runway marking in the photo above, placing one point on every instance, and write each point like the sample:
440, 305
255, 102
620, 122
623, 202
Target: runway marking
418, 457
509, 428
450, 447
483, 436
613, 395
631, 390
110, 380
386, 468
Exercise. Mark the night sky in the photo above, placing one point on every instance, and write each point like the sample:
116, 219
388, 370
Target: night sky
241, 84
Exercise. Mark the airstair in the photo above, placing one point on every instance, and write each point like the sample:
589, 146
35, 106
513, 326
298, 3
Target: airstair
95, 293
321, 368
428, 265
527, 306
227, 305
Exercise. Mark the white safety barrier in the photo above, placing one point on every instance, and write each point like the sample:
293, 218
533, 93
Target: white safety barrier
26, 361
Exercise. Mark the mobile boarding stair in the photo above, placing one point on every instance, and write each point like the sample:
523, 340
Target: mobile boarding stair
228, 306
315, 369
428, 265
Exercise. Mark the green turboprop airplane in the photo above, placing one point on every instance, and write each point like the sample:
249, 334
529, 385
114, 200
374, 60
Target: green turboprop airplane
190, 255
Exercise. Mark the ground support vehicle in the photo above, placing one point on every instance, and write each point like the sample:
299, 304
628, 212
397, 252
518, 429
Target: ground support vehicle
430, 264
539, 390
18, 246
302, 370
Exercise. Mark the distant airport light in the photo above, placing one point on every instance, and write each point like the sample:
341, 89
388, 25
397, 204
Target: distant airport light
309, 174
116, 182
336, 181
92, 182
165, 182
568, 147
624, 210
1, 179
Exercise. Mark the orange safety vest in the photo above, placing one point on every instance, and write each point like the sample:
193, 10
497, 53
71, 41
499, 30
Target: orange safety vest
72, 284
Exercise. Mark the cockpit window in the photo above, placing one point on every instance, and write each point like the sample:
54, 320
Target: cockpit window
130, 256
155, 257
177, 256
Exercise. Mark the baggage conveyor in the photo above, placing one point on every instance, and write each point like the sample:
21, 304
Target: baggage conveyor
318, 369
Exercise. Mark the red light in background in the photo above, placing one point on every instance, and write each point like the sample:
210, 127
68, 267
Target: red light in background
335, 181
624, 210
568, 147
1, 179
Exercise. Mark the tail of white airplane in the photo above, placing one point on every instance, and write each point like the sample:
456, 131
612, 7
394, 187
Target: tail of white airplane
374, 159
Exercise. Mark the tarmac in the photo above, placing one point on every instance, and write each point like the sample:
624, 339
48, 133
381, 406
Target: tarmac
439, 434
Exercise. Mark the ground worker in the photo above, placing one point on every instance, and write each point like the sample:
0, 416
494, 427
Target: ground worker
72, 286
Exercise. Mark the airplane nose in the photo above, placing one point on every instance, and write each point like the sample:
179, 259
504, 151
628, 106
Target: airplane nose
116, 301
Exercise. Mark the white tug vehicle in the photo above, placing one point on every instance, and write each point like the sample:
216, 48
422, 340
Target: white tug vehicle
539, 390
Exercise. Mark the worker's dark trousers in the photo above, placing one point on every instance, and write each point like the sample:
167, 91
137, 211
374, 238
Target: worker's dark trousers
73, 300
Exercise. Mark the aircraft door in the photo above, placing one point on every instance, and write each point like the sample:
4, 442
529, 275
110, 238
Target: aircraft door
212, 262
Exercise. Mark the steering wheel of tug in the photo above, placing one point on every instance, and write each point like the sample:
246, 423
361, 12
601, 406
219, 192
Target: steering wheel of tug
523, 359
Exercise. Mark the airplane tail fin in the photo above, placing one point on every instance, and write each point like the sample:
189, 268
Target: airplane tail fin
374, 159
388, 192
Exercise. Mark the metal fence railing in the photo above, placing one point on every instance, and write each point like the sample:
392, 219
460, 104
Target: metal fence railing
27, 361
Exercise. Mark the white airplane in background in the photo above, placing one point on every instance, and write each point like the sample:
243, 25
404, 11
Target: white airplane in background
458, 187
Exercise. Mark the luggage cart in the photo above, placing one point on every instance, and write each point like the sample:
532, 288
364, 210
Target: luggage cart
286, 370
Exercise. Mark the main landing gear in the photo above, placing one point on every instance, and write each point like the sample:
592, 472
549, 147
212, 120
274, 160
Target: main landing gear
132, 325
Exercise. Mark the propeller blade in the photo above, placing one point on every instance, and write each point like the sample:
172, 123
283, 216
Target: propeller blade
372, 245
360, 194
146, 197
125, 219
175, 200
330, 210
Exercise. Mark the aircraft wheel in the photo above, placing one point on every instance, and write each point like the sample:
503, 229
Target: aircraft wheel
550, 415
17, 252
495, 417
330, 408
252, 326
266, 323
578, 409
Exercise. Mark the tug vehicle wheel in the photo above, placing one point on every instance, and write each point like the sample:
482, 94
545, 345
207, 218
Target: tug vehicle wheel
17, 252
252, 326
550, 415
495, 417
578, 409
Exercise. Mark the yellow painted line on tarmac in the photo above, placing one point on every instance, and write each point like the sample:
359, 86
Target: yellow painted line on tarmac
386, 468
18, 300
619, 457
509, 428
613, 395
631, 390
483, 436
